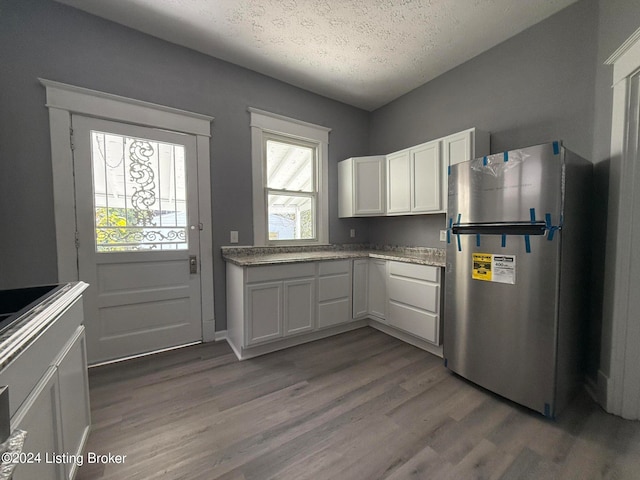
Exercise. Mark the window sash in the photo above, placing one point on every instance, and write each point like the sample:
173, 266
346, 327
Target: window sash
312, 195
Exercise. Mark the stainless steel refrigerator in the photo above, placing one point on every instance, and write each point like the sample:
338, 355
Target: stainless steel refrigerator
517, 273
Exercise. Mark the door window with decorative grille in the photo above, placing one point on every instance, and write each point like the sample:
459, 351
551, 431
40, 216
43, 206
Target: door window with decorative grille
139, 194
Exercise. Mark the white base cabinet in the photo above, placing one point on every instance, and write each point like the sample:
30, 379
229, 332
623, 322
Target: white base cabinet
414, 300
49, 393
334, 292
276, 304
360, 288
403, 296
377, 306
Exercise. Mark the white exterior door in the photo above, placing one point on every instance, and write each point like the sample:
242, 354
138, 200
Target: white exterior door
138, 237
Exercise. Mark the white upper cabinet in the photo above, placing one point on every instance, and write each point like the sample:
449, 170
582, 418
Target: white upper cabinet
361, 186
461, 147
399, 183
426, 169
408, 182
413, 180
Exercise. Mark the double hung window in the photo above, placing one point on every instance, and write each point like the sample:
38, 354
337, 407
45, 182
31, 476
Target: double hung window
290, 204
291, 188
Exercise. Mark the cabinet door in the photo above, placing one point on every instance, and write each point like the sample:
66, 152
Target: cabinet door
369, 188
360, 287
264, 312
458, 148
426, 178
74, 397
40, 417
399, 183
299, 305
378, 288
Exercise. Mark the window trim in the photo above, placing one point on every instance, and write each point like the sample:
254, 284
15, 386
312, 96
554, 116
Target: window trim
265, 122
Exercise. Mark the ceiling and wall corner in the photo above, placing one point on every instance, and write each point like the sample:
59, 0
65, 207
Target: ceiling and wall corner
360, 52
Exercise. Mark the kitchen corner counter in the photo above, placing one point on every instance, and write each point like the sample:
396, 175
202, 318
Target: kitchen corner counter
254, 256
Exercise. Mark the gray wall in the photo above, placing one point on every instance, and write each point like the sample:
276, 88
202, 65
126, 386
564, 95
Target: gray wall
533, 88
39, 38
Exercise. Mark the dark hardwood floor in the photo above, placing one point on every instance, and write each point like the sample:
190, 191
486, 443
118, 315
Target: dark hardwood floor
361, 405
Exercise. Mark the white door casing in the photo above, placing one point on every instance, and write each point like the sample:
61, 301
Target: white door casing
621, 387
64, 100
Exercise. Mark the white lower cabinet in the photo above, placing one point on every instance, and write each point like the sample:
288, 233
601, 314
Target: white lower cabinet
49, 396
360, 288
414, 300
377, 289
299, 305
40, 418
264, 307
275, 304
334, 292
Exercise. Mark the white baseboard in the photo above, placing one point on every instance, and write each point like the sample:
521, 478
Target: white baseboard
220, 335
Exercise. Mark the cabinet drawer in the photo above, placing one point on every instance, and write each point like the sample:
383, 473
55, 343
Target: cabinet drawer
267, 273
418, 323
334, 287
411, 270
334, 267
333, 313
414, 293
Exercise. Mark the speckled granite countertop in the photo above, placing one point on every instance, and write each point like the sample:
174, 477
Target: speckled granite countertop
253, 256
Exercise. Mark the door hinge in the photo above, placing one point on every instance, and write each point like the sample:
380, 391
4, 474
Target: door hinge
77, 240
73, 147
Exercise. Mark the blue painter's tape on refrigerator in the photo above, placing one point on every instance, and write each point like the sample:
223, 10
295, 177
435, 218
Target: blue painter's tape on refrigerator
459, 244
484, 161
448, 236
556, 148
449, 170
504, 240
551, 229
459, 218
506, 156
532, 214
527, 243
477, 239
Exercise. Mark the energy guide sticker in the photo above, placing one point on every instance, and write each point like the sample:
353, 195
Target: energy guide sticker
494, 268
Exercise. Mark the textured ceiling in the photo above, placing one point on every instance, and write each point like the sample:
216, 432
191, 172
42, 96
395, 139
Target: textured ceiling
362, 52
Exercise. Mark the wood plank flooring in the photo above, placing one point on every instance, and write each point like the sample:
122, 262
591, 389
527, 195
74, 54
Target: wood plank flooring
361, 405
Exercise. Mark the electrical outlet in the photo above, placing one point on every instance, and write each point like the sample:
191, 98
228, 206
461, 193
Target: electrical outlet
353, 233
234, 236
443, 235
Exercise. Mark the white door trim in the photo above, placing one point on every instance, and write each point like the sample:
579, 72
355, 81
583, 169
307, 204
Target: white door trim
621, 386
63, 100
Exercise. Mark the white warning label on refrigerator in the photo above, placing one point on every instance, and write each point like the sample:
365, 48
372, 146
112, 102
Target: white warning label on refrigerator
504, 269
494, 268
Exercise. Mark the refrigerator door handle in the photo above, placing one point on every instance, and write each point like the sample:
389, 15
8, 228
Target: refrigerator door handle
529, 228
